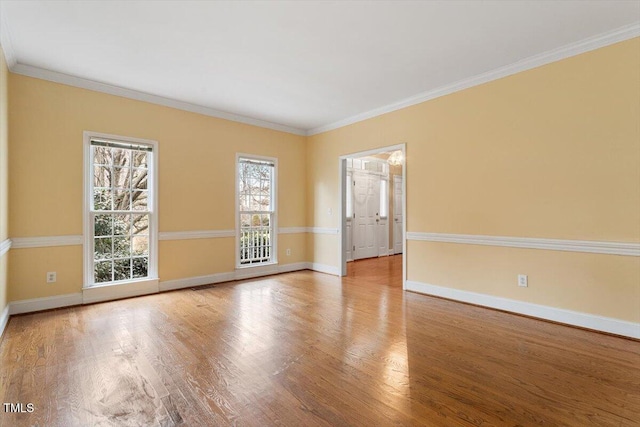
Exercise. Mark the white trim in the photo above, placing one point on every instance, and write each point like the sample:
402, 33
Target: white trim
557, 54
294, 266
118, 291
46, 241
274, 201
292, 230
190, 282
583, 320
5, 40
71, 80
258, 270
200, 234
4, 319
144, 287
46, 303
323, 230
610, 248
239, 274
322, 268
5, 246
342, 170
152, 208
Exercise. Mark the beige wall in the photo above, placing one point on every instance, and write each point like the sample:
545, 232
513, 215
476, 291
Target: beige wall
4, 175
553, 152
196, 180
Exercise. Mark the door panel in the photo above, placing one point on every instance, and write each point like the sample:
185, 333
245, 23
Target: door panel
366, 205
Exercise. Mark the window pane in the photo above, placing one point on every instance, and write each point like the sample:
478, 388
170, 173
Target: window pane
102, 176
103, 225
122, 177
102, 248
102, 199
121, 247
121, 157
140, 267
384, 201
139, 179
139, 159
122, 269
140, 224
140, 245
349, 196
121, 200
121, 224
139, 200
102, 155
103, 271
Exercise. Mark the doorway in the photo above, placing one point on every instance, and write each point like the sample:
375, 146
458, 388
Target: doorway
373, 204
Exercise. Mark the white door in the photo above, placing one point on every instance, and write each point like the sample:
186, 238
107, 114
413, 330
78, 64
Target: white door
397, 214
366, 204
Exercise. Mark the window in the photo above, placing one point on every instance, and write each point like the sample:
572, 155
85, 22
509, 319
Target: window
120, 226
384, 198
256, 210
349, 195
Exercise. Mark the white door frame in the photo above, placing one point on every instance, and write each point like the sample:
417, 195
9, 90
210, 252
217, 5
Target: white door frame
342, 168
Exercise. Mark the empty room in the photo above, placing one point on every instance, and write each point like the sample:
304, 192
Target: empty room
320, 213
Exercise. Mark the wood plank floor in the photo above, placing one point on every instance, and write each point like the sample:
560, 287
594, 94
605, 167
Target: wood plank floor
309, 349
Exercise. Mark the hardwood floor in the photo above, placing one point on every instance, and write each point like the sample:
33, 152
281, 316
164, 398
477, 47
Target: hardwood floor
309, 349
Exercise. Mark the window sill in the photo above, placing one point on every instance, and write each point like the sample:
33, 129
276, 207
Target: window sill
252, 266
249, 271
118, 290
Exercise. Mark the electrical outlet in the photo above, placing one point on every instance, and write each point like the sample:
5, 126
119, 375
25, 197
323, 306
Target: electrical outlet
51, 277
523, 280
288, 252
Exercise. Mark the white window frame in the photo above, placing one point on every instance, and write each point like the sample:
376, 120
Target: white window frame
152, 204
273, 223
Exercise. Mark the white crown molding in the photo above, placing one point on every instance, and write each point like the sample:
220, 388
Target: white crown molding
583, 320
199, 234
42, 242
4, 319
71, 80
5, 40
563, 52
292, 230
5, 246
46, 303
610, 248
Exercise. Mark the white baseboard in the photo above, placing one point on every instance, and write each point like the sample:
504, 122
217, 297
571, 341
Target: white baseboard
113, 292
189, 282
107, 293
575, 318
296, 266
240, 274
46, 303
322, 268
4, 319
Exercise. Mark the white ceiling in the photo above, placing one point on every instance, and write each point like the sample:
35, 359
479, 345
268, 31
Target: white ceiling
304, 65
